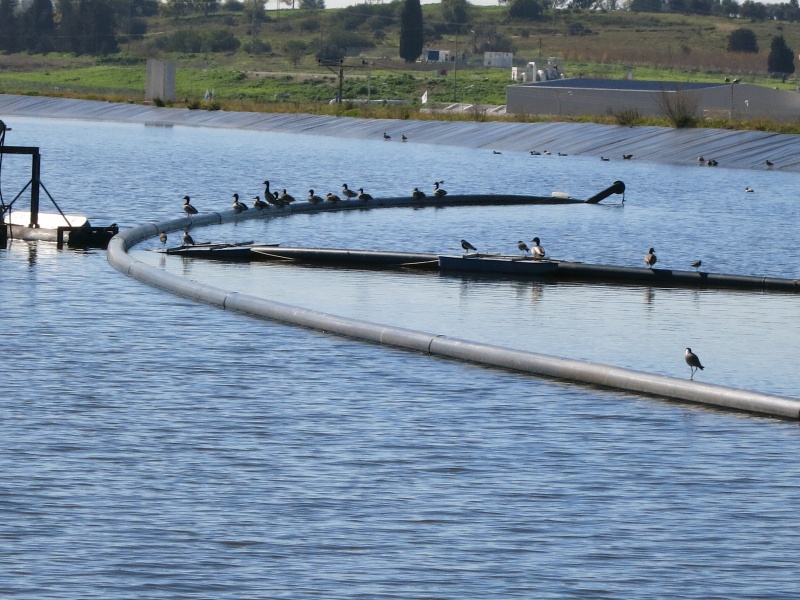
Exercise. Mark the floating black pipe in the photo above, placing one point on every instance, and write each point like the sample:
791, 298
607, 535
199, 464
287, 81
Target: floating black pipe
618, 187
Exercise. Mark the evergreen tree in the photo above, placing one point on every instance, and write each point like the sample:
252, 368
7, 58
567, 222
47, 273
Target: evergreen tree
38, 27
411, 30
9, 40
455, 11
529, 10
781, 57
650, 6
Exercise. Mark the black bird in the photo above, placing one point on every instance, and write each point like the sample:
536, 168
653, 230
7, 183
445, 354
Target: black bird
562, 153
627, 156
417, 194
348, 192
696, 264
523, 247
535, 153
749, 190
187, 206
537, 250
701, 160
313, 198
362, 195
329, 197
496, 152
238, 206
386, 136
437, 191
712, 162
259, 204
270, 197
692, 361
604, 158
769, 163
650, 258
187, 239
403, 137
467, 246
163, 238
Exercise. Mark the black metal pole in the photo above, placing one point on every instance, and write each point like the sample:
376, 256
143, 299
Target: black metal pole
35, 189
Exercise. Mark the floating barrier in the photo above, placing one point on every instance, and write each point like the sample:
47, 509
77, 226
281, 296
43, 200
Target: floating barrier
436, 345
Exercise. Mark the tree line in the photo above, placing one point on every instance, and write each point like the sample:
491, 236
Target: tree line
76, 26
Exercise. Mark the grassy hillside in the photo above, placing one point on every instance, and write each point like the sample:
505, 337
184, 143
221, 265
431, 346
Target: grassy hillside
263, 75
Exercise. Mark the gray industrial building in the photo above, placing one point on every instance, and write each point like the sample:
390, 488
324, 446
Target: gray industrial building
574, 97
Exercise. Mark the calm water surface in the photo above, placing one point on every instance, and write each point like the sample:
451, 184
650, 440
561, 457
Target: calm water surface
154, 447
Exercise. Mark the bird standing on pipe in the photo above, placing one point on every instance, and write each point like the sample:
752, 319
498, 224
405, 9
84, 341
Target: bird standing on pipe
692, 361
650, 258
187, 206
523, 247
537, 250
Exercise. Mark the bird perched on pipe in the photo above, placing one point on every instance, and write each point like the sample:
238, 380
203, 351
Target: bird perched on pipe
286, 198
259, 204
330, 197
696, 264
187, 206
437, 191
650, 258
348, 193
362, 195
313, 198
692, 361
523, 247
417, 194
537, 250
467, 246
238, 206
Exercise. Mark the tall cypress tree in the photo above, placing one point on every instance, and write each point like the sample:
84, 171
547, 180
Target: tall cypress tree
39, 26
781, 57
411, 30
9, 39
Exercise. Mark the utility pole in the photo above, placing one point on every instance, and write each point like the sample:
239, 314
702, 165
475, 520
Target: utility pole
337, 67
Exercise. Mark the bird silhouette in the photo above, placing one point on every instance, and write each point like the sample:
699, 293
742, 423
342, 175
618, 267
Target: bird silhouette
187, 239
437, 191
286, 198
386, 136
467, 246
272, 198
187, 206
697, 264
604, 158
701, 160
748, 190
313, 198
496, 152
769, 163
712, 162
329, 197
535, 153
362, 195
163, 237
693, 361
259, 204
627, 156
650, 258
523, 247
417, 194
403, 137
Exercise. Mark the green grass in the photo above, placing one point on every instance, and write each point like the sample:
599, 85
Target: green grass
657, 47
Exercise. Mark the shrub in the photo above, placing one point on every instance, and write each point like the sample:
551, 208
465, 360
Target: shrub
679, 107
742, 40
628, 117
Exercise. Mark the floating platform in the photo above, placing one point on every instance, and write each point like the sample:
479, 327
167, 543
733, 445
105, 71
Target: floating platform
239, 251
502, 266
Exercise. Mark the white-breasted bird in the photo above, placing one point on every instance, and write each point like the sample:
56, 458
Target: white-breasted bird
259, 204
238, 206
537, 250
692, 361
187, 206
286, 198
187, 239
650, 258
437, 191
362, 195
313, 198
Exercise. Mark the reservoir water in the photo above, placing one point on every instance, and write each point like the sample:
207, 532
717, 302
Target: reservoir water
151, 447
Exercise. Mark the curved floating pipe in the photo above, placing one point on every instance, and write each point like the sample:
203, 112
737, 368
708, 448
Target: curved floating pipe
435, 345
618, 187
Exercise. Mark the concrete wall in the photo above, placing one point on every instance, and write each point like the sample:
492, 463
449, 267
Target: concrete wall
160, 80
741, 101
